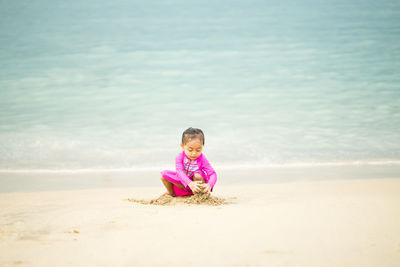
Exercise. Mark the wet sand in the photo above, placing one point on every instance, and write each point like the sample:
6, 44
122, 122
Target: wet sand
317, 223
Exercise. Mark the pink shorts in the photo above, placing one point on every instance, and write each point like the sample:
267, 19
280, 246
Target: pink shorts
172, 177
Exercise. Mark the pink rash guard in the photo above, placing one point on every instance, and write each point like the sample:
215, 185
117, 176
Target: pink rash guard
180, 176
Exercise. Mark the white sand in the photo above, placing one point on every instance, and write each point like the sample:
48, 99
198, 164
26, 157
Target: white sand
331, 223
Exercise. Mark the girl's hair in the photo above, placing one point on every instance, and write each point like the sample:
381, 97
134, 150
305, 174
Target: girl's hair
192, 133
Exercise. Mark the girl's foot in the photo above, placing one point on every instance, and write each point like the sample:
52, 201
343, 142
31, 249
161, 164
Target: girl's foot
167, 194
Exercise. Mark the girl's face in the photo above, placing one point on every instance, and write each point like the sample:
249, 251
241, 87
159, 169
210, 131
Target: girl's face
193, 148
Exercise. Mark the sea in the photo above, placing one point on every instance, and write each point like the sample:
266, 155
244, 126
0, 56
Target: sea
111, 85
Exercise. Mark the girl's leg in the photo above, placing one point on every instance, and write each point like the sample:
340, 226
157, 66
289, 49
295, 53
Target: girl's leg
169, 186
197, 177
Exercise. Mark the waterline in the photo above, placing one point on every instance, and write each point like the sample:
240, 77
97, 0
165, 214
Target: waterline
393, 162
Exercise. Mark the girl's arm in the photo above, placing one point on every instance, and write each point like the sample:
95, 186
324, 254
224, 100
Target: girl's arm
212, 175
180, 171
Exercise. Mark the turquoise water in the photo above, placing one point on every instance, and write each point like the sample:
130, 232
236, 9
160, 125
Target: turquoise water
109, 85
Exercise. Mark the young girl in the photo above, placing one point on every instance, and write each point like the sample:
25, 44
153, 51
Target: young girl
193, 173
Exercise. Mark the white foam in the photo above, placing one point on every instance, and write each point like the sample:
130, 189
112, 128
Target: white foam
216, 166
313, 164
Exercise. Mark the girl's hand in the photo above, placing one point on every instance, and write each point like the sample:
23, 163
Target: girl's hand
206, 188
195, 186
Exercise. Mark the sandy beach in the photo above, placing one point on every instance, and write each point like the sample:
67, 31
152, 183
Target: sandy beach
294, 104
309, 223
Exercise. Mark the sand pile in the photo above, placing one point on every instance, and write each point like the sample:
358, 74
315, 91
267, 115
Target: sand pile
197, 199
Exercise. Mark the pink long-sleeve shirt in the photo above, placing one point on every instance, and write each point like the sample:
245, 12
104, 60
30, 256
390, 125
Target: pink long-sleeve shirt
204, 166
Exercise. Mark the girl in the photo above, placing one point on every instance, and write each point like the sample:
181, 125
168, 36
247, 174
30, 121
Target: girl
193, 173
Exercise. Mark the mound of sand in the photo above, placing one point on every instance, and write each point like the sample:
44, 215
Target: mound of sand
197, 199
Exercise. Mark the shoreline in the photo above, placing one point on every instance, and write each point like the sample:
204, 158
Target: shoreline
33, 182
352, 163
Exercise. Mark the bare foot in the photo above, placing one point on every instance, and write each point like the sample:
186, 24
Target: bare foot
167, 194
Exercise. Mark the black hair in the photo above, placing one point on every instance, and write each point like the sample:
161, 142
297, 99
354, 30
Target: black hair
192, 133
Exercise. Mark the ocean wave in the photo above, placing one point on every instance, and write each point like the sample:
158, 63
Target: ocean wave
386, 162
